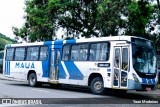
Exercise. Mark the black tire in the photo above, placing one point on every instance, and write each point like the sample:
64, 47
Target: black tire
97, 86
32, 80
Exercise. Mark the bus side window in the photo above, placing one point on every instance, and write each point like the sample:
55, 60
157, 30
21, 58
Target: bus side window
92, 57
74, 52
66, 51
66, 57
83, 54
43, 53
20, 54
9, 54
32, 53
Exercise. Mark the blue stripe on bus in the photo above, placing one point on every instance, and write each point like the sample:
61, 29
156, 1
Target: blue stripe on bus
108, 70
74, 72
45, 64
70, 41
48, 43
58, 42
153, 81
150, 81
45, 68
144, 80
62, 74
7, 68
5, 71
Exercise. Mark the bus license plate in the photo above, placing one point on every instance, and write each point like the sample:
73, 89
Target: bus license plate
148, 88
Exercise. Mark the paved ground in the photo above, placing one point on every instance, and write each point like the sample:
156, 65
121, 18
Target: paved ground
6, 78
72, 97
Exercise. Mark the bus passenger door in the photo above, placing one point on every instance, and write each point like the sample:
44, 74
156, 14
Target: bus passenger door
121, 66
54, 68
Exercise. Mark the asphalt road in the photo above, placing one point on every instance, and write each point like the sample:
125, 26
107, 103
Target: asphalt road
16, 90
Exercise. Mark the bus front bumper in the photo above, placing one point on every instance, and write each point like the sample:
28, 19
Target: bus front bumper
133, 85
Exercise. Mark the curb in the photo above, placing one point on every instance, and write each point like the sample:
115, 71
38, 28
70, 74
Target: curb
3, 78
10, 79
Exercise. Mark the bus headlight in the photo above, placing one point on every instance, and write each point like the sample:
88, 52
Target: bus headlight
135, 77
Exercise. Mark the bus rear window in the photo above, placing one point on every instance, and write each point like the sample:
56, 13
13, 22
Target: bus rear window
9, 54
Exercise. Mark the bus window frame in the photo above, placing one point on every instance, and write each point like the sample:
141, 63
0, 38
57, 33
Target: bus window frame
78, 52
40, 52
69, 54
6, 53
15, 53
109, 48
88, 54
27, 53
25, 56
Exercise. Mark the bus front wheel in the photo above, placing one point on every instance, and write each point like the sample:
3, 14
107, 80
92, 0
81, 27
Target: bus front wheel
32, 80
97, 86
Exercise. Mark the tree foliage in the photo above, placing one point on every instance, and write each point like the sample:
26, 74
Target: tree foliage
38, 25
88, 18
140, 13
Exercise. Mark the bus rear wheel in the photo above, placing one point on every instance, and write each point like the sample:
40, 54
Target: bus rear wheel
32, 80
97, 86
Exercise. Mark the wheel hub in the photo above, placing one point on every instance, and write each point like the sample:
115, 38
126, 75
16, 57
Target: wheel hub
98, 85
32, 80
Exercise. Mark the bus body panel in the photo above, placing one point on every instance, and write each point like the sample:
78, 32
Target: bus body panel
78, 72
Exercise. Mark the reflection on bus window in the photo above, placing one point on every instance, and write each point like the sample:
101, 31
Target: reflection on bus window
99, 52
19, 53
43, 53
74, 52
144, 59
125, 59
9, 54
32, 53
117, 56
83, 52
66, 49
79, 52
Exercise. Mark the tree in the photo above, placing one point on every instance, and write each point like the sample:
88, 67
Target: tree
88, 18
79, 17
38, 25
140, 13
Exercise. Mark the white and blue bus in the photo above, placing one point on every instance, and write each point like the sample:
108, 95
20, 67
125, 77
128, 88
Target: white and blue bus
119, 62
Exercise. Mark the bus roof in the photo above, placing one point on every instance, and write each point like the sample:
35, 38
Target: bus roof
61, 42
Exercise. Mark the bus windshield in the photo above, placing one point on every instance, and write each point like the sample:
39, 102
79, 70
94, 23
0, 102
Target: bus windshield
144, 56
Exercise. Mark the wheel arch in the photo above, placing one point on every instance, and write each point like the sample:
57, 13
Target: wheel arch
30, 71
92, 76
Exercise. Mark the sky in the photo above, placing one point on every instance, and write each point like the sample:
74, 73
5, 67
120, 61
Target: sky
11, 14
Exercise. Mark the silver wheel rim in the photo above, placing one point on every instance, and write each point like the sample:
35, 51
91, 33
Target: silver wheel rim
98, 85
32, 80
